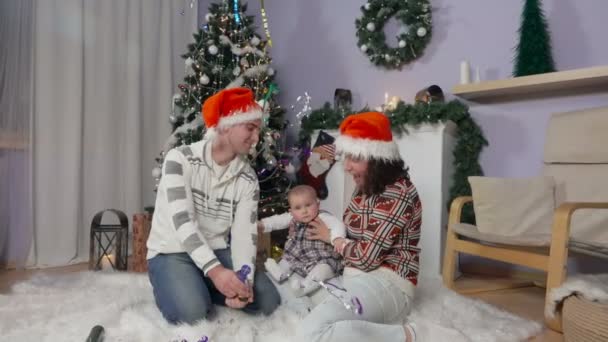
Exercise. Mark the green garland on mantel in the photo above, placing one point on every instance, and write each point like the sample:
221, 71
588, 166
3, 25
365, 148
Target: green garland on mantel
469, 140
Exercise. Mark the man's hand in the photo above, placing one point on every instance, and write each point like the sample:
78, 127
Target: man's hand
228, 283
239, 303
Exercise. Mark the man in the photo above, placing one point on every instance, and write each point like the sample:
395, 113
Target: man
204, 224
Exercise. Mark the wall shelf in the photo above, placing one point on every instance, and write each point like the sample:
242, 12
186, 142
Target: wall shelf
587, 80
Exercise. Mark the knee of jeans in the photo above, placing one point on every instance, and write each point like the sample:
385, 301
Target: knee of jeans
270, 302
189, 314
267, 296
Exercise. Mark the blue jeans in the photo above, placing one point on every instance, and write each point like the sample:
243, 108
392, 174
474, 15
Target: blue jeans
184, 295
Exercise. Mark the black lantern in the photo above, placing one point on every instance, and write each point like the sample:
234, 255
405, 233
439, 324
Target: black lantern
109, 242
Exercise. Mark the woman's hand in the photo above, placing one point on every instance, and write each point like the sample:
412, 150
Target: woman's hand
318, 230
339, 244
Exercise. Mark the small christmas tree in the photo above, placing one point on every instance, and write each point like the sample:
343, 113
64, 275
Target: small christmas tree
533, 53
227, 53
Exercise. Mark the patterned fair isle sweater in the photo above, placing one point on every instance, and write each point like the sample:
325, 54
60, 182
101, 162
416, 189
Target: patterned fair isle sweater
198, 211
385, 230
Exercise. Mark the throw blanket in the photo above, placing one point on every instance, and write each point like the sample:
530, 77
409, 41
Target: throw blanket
593, 287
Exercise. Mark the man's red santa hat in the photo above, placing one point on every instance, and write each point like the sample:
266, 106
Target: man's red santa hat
230, 107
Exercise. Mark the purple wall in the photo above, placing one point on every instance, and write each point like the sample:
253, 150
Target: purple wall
315, 51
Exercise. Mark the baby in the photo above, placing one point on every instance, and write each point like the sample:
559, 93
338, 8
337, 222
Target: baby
313, 260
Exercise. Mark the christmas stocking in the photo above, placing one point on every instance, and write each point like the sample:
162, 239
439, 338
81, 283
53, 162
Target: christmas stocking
318, 164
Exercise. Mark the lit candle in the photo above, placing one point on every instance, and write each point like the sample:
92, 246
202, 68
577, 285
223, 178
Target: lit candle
385, 99
107, 261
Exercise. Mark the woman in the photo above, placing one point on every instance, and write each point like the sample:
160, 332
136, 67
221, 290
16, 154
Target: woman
381, 253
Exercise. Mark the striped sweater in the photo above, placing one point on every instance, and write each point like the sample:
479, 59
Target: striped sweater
196, 211
385, 230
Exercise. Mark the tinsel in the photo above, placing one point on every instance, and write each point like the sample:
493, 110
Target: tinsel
469, 142
265, 23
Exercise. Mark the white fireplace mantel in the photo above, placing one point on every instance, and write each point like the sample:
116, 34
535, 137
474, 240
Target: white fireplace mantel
427, 150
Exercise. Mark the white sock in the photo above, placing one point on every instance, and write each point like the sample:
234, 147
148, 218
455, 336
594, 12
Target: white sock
320, 272
274, 270
285, 266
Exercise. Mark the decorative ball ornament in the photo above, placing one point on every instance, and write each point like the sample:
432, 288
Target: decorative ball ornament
271, 162
189, 61
255, 41
208, 16
236, 71
415, 19
204, 79
270, 71
172, 119
212, 50
156, 172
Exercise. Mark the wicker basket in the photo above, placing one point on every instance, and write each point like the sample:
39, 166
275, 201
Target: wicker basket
584, 320
141, 230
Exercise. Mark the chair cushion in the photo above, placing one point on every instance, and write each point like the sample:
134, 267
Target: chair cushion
513, 206
583, 183
470, 231
577, 137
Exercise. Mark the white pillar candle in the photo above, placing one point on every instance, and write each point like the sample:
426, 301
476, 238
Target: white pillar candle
465, 73
477, 75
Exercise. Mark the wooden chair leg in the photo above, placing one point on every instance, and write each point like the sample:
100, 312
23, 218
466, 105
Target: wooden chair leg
449, 259
558, 263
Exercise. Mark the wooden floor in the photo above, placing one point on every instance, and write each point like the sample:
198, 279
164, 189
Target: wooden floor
525, 301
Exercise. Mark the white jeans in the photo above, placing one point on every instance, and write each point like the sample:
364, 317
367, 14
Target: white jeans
384, 310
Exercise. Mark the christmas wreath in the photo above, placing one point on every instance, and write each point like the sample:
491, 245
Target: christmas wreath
414, 34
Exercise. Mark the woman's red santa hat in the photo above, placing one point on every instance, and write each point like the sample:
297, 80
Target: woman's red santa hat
230, 107
367, 136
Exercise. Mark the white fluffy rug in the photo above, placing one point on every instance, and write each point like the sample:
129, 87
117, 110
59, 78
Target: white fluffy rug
66, 307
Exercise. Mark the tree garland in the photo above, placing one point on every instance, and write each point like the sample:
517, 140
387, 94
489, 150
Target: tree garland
469, 142
414, 35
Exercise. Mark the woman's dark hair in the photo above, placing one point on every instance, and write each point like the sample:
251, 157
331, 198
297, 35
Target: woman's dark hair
381, 173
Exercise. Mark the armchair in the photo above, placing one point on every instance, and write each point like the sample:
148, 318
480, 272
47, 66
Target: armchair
576, 160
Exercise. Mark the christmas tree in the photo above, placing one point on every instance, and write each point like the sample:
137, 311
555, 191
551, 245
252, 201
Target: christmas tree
228, 53
533, 53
